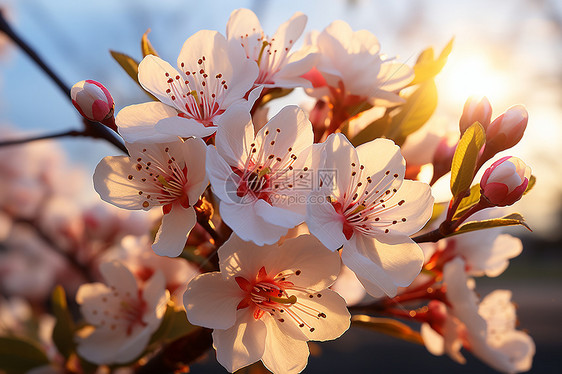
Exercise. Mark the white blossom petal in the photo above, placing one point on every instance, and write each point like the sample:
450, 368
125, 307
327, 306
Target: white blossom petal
283, 354
325, 223
172, 234
383, 267
242, 344
211, 301
136, 123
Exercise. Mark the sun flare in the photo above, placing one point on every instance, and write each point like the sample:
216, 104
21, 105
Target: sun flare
474, 75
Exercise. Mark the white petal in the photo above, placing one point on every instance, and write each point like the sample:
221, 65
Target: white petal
505, 247
137, 122
432, 340
194, 153
152, 77
156, 297
290, 128
380, 155
224, 181
172, 234
340, 155
395, 76
383, 267
318, 266
311, 308
413, 213
252, 227
234, 136
89, 296
116, 274
242, 258
184, 127
113, 184
283, 354
325, 223
211, 301
277, 216
242, 344
243, 22
106, 347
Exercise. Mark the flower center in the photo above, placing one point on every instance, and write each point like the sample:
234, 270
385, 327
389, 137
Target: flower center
163, 180
366, 206
197, 95
268, 294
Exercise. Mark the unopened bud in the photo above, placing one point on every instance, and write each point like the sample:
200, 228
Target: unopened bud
506, 130
94, 102
443, 156
476, 109
505, 181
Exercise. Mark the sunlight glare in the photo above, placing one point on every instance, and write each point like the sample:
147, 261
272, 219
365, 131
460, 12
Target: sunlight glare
474, 75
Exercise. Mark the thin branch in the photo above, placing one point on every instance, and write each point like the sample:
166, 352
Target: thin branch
92, 129
7, 143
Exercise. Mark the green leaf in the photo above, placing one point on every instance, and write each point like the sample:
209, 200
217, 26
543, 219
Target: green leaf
63, 333
465, 157
427, 67
388, 326
146, 45
19, 355
129, 64
509, 220
375, 129
531, 184
174, 326
469, 201
131, 67
275, 93
414, 113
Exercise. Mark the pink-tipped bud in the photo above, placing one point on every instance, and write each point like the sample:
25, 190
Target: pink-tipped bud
475, 109
505, 181
93, 101
506, 130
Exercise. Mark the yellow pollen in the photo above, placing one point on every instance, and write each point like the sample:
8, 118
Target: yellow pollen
263, 172
358, 209
163, 181
263, 45
194, 94
284, 300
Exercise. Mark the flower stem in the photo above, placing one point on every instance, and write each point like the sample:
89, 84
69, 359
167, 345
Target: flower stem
92, 129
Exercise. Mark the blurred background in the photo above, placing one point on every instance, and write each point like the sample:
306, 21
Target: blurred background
508, 50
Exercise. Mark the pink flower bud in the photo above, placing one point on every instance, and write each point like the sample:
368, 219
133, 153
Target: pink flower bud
506, 130
443, 156
475, 109
93, 101
505, 181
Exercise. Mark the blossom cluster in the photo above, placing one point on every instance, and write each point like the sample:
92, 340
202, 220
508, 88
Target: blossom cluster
274, 232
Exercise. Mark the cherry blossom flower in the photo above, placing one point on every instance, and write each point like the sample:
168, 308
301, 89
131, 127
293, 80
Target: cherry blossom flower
143, 263
212, 76
267, 302
505, 181
171, 175
351, 61
486, 252
277, 66
486, 329
124, 316
371, 210
256, 177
